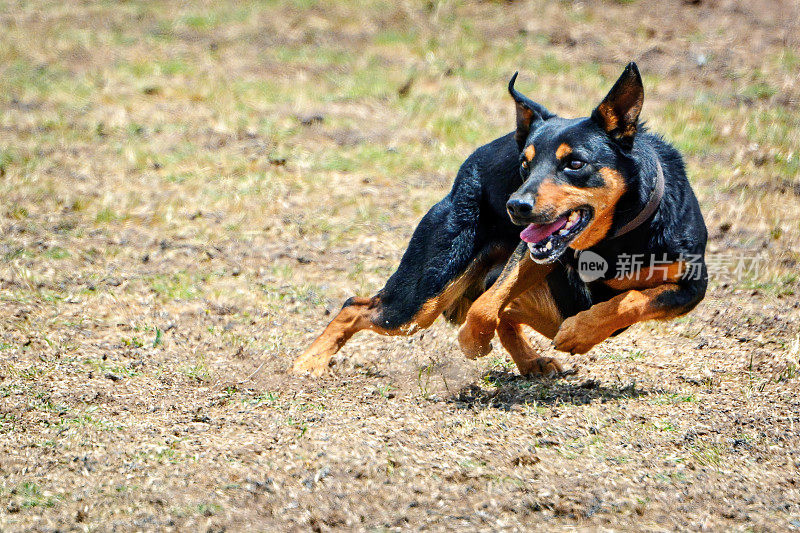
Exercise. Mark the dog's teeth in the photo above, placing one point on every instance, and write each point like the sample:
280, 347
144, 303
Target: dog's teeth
549, 245
564, 231
572, 220
531, 246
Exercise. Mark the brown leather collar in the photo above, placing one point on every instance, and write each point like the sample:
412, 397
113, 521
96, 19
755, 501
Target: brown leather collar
652, 203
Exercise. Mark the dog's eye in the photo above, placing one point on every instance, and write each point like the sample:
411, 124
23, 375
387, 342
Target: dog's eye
575, 164
525, 165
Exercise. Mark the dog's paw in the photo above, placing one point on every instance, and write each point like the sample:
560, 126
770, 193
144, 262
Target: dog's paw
540, 366
576, 336
310, 364
475, 341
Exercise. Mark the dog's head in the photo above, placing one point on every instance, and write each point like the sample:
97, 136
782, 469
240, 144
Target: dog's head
574, 171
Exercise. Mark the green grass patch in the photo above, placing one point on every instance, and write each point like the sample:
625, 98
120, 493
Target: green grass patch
56, 252
178, 286
776, 285
31, 495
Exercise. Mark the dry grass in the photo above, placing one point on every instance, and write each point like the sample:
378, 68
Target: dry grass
187, 188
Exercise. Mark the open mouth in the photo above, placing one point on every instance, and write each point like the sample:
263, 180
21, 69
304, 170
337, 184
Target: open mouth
547, 242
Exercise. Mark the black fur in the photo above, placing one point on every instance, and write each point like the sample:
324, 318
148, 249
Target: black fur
468, 224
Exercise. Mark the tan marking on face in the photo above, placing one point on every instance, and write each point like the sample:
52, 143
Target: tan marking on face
529, 153
649, 277
557, 199
563, 151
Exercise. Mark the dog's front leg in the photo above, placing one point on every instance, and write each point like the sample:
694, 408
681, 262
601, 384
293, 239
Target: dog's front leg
520, 274
579, 333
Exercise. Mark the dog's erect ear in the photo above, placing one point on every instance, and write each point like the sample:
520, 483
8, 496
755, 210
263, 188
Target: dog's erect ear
528, 113
618, 113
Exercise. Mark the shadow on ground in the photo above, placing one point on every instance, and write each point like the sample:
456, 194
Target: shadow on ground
507, 389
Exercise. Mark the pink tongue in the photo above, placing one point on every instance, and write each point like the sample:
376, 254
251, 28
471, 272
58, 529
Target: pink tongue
539, 232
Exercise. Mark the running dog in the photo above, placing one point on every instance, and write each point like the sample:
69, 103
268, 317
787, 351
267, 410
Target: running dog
611, 234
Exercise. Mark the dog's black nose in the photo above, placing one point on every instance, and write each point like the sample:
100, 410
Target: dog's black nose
519, 208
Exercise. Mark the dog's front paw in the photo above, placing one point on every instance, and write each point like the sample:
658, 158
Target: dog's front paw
475, 339
576, 336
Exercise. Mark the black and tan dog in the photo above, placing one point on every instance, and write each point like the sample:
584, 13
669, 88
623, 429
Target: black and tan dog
613, 235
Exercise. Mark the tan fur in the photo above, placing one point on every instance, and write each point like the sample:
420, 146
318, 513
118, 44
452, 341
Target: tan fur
559, 198
431, 309
630, 100
535, 308
529, 153
649, 277
527, 358
608, 115
520, 274
362, 314
524, 118
563, 150
578, 334
520, 297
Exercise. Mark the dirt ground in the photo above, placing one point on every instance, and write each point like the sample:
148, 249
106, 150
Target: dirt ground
188, 190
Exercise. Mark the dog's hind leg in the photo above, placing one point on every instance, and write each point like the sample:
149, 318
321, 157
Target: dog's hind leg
369, 314
356, 315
